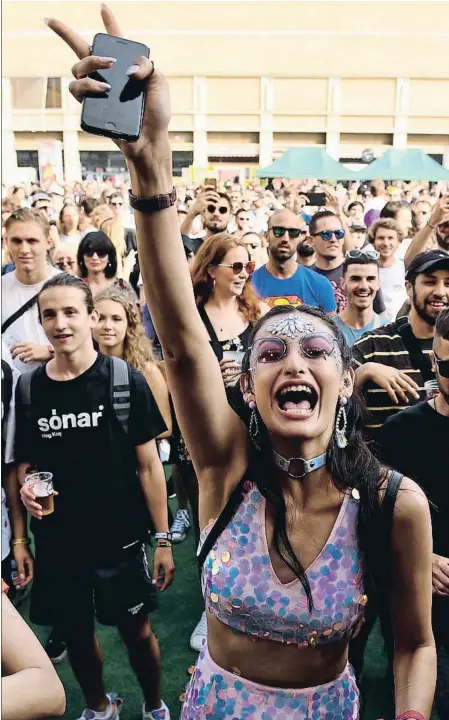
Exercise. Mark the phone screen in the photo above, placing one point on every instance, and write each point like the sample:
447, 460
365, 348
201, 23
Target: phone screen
116, 113
317, 199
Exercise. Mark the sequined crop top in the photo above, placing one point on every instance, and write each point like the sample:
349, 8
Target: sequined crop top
242, 590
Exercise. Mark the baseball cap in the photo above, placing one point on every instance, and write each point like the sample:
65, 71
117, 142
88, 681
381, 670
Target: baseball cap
426, 262
40, 196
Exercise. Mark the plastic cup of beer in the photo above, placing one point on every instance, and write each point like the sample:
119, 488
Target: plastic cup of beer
41, 483
431, 388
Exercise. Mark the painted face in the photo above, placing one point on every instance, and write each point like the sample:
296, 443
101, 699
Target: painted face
297, 376
112, 324
65, 319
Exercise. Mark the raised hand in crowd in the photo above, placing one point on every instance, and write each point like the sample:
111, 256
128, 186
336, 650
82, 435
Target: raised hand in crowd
204, 197
440, 575
428, 236
30, 352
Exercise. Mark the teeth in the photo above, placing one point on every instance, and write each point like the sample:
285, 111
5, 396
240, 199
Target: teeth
296, 388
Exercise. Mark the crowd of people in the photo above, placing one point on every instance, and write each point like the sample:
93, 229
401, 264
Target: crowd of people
296, 359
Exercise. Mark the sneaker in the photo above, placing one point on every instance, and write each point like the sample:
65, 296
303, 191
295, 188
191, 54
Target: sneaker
180, 525
199, 635
112, 712
162, 714
56, 648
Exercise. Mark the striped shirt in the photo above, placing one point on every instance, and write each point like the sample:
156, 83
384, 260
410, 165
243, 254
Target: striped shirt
386, 346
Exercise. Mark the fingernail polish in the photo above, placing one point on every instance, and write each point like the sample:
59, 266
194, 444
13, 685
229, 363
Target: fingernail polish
108, 59
133, 69
46, 20
106, 86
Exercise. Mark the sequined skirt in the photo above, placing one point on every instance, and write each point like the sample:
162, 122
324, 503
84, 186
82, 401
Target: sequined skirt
216, 694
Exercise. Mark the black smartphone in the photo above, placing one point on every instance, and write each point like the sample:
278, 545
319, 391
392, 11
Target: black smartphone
117, 113
316, 199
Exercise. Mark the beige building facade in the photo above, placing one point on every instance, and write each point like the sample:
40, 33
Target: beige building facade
248, 79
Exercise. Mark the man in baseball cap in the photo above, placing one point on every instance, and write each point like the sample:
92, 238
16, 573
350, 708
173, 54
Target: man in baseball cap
427, 262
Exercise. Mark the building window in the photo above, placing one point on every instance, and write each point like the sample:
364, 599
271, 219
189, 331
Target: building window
181, 159
28, 158
53, 98
102, 163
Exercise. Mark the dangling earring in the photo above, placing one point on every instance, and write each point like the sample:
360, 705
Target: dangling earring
341, 424
254, 429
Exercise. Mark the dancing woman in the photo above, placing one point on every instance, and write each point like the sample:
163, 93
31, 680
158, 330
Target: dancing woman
307, 506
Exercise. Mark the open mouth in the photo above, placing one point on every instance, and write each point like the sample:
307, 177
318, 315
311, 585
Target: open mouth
297, 400
437, 304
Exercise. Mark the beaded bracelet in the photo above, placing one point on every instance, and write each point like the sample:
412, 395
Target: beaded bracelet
411, 715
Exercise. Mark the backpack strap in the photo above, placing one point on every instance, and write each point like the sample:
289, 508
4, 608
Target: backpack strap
24, 385
221, 522
419, 360
120, 391
214, 341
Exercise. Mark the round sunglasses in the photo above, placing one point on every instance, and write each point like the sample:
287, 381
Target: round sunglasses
238, 267
293, 233
222, 209
313, 346
327, 234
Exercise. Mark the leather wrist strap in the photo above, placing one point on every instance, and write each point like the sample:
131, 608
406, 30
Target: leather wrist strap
153, 204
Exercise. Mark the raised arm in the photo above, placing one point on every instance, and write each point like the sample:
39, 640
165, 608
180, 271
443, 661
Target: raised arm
423, 237
216, 438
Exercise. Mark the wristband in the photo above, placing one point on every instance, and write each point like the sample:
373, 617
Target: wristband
163, 536
411, 715
430, 225
152, 204
163, 543
20, 541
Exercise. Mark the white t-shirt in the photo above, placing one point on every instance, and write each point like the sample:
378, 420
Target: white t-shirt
27, 328
401, 252
392, 283
8, 429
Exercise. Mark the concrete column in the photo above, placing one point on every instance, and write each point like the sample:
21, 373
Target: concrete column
334, 106
200, 153
266, 121
72, 165
401, 110
9, 156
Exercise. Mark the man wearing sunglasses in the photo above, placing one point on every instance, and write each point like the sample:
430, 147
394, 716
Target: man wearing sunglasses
282, 281
414, 442
215, 210
328, 235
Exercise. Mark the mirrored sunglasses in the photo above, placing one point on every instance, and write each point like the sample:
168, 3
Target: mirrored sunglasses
327, 234
293, 233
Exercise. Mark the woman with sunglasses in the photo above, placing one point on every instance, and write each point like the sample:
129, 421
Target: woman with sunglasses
305, 528
226, 301
97, 262
65, 258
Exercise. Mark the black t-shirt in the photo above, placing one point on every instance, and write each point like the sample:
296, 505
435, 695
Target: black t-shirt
74, 433
335, 278
415, 442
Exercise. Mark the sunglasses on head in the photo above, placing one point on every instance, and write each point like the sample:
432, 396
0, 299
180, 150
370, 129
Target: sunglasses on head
91, 251
327, 234
443, 366
293, 233
313, 346
237, 267
223, 209
355, 254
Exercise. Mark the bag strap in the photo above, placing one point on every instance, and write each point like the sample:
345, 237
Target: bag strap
216, 346
24, 386
16, 315
221, 522
7, 382
389, 502
419, 361
120, 391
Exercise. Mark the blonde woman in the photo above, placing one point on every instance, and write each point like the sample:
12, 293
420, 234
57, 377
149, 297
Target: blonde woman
100, 214
115, 230
120, 333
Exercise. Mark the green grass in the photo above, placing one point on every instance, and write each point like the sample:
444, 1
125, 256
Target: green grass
179, 611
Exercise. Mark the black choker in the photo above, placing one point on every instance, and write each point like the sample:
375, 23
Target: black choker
299, 464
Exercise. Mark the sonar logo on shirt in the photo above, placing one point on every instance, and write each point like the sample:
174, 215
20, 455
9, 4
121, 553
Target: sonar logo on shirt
283, 300
52, 426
